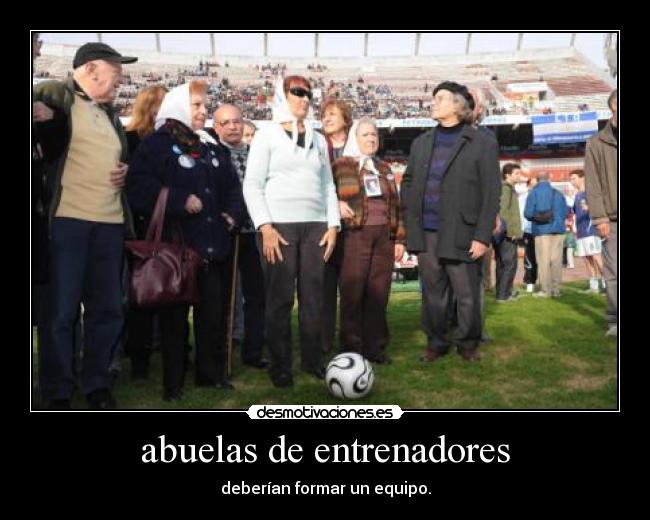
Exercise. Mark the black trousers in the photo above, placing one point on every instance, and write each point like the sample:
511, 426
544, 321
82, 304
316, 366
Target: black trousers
506, 268
302, 263
530, 261
139, 338
330, 294
210, 323
440, 279
252, 285
172, 346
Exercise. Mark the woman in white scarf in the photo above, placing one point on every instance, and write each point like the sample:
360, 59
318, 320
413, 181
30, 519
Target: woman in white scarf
373, 240
291, 199
203, 188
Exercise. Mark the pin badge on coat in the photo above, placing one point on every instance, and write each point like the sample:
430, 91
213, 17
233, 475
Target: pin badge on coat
186, 161
215, 162
176, 150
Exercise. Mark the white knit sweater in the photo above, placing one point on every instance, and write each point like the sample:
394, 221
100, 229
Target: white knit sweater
283, 185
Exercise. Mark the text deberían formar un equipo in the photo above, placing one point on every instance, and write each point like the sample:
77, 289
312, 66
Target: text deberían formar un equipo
300, 488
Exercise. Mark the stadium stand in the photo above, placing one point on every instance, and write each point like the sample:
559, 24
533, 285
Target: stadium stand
384, 88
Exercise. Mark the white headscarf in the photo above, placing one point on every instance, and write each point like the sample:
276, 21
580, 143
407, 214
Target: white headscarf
282, 114
352, 150
175, 105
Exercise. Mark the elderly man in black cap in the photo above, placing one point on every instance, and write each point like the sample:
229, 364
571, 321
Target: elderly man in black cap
84, 150
450, 191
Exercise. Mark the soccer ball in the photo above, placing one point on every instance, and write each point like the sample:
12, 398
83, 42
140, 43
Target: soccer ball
349, 376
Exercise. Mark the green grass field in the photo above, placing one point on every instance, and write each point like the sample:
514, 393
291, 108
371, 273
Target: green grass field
545, 354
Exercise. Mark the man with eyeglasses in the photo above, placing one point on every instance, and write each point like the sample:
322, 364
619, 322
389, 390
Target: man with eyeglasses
229, 126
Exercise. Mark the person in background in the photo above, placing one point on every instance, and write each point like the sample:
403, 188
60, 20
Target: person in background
589, 244
336, 118
140, 322
506, 250
549, 234
249, 132
601, 184
530, 261
229, 126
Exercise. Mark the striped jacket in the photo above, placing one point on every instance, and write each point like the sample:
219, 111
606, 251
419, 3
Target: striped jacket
349, 188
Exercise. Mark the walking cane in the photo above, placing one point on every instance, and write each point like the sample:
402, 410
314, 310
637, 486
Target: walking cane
233, 294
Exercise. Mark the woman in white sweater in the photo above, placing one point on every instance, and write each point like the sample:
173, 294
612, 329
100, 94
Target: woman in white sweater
292, 200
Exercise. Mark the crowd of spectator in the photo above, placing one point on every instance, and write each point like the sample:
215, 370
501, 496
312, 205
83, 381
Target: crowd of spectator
366, 99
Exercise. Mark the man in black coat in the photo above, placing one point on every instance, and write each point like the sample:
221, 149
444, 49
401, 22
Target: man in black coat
450, 192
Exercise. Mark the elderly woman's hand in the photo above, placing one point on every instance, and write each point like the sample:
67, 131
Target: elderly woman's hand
271, 241
193, 204
329, 241
345, 210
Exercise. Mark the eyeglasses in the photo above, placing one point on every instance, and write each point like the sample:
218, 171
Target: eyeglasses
226, 122
301, 92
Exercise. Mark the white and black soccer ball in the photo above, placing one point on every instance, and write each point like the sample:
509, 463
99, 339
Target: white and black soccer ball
349, 376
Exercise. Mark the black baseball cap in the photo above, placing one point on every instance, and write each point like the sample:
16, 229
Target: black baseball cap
456, 88
99, 51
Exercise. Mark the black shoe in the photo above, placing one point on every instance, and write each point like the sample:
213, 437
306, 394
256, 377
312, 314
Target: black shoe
282, 381
172, 395
318, 373
101, 399
58, 404
224, 385
258, 363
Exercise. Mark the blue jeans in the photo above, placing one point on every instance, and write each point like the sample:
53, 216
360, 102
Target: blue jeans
85, 268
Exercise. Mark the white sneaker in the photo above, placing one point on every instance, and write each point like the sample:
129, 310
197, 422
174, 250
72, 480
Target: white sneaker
530, 288
612, 331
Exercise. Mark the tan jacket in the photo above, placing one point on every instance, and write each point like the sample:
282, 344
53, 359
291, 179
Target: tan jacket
601, 176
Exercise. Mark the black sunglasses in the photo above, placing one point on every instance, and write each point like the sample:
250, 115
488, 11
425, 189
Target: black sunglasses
301, 92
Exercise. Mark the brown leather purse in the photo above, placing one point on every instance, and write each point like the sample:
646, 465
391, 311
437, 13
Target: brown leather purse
163, 273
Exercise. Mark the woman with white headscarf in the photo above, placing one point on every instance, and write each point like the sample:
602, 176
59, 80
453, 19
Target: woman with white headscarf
291, 199
374, 240
205, 198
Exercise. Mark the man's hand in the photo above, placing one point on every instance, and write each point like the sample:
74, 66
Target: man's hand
118, 175
497, 226
603, 230
477, 250
345, 209
193, 205
328, 240
41, 112
399, 252
271, 241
